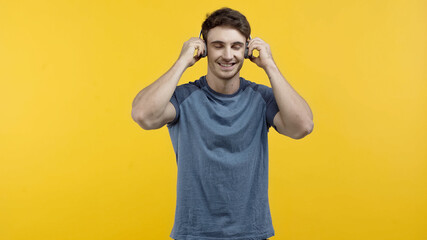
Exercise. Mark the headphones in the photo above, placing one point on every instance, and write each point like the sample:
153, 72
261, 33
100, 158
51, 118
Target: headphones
206, 47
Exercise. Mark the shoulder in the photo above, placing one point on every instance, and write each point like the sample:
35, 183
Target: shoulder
265, 91
185, 90
190, 86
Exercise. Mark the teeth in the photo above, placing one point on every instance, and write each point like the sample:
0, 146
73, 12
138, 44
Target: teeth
226, 65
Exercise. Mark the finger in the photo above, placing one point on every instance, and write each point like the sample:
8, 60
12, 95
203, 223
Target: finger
196, 58
201, 47
198, 49
252, 46
254, 59
253, 43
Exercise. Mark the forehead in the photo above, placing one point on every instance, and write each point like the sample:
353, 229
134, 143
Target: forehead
225, 34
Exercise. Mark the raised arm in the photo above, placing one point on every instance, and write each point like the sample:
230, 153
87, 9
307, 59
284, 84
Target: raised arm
294, 118
152, 108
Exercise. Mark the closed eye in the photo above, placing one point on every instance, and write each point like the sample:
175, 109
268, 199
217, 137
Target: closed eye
217, 45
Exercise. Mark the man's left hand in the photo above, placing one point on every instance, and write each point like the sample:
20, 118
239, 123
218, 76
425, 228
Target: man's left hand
265, 57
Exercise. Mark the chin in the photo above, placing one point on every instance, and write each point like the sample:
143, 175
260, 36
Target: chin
227, 75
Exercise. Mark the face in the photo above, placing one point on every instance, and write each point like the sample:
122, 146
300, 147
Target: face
226, 49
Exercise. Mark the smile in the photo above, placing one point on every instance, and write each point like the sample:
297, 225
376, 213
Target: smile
226, 65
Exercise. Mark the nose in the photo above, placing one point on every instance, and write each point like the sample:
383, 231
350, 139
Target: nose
227, 54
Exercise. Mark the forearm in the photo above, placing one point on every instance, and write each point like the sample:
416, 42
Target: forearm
293, 109
151, 101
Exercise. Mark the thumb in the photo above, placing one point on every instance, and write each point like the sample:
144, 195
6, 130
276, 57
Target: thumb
254, 59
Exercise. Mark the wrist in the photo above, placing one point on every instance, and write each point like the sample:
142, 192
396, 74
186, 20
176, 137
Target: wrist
181, 64
270, 67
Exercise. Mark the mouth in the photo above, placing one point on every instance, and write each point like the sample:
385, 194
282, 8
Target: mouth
226, 66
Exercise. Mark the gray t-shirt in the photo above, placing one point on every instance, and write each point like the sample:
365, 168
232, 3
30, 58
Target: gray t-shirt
221, 148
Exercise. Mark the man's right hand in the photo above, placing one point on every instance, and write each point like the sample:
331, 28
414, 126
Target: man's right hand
188, 51
152, 108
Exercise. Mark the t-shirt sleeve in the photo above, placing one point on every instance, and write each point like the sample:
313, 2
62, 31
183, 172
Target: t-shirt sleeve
180, 94
271, 104
175, 103
272, 108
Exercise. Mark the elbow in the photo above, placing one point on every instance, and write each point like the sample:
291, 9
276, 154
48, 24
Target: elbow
142, 120
310, 127
307, 130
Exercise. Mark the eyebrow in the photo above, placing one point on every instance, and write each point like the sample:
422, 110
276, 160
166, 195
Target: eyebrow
221, 42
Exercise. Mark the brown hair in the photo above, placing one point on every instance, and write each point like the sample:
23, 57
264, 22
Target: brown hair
226, 17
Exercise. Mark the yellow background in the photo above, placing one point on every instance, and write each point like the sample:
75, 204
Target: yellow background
74, 165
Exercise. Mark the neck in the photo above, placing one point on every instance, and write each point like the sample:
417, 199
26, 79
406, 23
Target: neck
224, 86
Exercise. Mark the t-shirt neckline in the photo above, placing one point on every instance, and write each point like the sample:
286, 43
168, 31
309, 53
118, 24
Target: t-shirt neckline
205, 82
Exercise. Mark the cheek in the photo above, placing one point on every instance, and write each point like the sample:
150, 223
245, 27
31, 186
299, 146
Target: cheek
240, 54
213, 53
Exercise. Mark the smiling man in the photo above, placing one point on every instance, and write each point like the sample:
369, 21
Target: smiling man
218, 125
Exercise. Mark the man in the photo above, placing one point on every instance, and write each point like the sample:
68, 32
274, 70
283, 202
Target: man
218, 126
